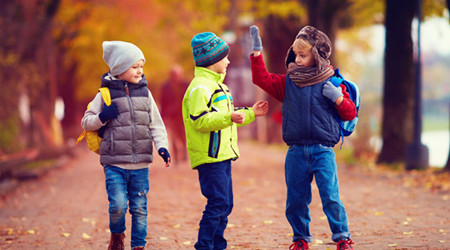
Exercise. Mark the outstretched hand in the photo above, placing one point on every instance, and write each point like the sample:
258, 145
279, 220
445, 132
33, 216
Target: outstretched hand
237, 117
260, 108
256, 39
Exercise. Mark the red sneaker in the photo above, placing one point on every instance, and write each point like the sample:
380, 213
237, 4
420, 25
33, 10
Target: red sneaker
345, 244
299, 245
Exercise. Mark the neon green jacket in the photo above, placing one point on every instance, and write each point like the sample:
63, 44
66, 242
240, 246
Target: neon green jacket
211, 136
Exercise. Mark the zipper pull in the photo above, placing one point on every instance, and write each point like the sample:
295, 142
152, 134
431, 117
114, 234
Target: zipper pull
126, 89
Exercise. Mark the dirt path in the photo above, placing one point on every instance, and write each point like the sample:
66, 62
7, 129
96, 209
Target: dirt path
67, 208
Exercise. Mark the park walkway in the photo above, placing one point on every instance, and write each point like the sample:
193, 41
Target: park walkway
67, 208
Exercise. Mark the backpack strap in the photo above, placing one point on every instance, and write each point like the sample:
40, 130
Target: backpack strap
106, 95
337, 80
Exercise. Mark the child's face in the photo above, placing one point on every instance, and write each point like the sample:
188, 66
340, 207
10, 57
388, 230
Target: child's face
134, 73
220, 66
304, 58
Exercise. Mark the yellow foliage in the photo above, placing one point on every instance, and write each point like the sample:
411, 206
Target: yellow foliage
161, 29
281, 9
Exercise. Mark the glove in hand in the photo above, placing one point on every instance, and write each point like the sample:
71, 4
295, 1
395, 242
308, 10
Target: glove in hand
108, 113
256, 39
331, 92
165, 155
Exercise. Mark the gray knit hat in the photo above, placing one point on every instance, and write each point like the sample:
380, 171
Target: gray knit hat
120, 56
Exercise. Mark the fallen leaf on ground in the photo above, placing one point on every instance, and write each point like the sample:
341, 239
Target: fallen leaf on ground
392, 245
408, 233
31, 231
162, 238
407, 221
85, 219
85, 236
318, 242
65, 234
268, 222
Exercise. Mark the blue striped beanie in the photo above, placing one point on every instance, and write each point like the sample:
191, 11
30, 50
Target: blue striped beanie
208, 49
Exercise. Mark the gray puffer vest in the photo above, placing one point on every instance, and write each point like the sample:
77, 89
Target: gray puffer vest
127, 138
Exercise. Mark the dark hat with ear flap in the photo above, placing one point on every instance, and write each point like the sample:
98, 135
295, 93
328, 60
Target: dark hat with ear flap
321, 47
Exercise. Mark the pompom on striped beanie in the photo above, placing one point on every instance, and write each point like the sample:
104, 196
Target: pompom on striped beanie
208, 49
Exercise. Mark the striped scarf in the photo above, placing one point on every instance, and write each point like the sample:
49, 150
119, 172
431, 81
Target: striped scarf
307, 76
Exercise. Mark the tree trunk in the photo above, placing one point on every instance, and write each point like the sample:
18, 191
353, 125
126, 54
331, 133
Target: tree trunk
24, 25
325, 15
278, 36
398, 96
447, 165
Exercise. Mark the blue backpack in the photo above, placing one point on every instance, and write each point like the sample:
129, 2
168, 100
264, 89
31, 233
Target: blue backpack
347, 127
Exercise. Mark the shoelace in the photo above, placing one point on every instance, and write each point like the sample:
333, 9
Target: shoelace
345, 244
299, 245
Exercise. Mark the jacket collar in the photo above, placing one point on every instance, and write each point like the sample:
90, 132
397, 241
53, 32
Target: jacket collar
112, 82
207, 73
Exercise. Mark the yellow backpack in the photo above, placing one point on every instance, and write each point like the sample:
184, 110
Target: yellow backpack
92, 138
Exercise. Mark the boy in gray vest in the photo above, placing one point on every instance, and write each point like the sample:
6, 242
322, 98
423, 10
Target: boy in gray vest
129, 127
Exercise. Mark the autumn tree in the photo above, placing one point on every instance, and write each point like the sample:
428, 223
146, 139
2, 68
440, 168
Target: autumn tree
399, 88
447, 165
397, 124
27, 67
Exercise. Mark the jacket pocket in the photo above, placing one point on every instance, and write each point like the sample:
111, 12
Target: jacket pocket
214, 144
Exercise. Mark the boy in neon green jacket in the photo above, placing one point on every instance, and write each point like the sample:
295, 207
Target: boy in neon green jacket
211, 120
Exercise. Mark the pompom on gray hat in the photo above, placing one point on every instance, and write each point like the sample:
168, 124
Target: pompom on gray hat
120, 56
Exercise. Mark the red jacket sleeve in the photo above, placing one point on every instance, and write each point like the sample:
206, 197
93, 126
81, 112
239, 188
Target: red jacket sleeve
347, 109
273, 84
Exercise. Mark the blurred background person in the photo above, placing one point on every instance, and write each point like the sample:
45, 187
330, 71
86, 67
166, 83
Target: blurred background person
172, 92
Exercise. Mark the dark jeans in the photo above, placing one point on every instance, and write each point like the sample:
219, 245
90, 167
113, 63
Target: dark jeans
303, 163
128, 188
216, 186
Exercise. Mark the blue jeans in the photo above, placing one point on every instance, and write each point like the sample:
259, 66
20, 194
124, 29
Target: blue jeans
216, 186
303, 162
128, 186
